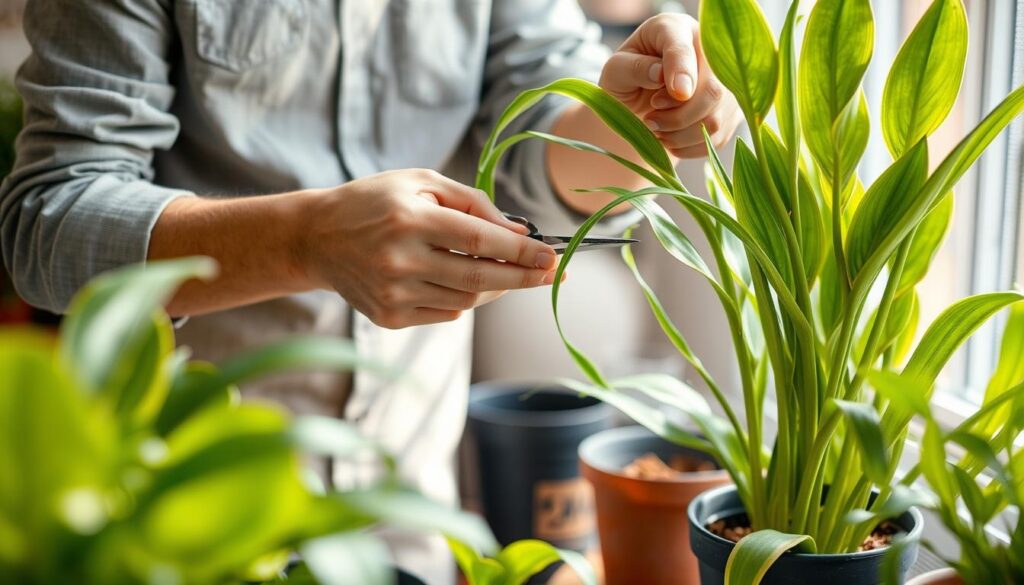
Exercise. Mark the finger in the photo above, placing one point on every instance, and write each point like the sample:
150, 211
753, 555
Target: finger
454, 195
477, 275
452, 230
684, 138
695, 151
674, 40
626, 71
432, 296
703, 105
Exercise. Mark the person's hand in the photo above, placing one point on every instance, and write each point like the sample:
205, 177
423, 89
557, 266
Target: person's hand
413, 247
660, 73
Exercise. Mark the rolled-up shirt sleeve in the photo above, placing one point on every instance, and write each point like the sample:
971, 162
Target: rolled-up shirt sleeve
532, 43
80, 199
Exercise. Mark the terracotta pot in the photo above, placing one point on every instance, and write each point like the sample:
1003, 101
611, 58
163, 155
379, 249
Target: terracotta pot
945, 576
642, 523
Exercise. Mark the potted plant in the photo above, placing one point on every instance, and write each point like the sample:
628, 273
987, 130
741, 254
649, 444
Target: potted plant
126, 463
516, 563
642, 487
973, 493
525, 438
798, 245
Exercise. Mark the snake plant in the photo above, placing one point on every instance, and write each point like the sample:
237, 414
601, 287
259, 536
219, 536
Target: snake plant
815, 271
126, 463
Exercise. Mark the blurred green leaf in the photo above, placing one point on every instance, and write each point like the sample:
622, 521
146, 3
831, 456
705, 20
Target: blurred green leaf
348, 559
58, 452
197, 386
925, 77
741, 51
406, 509
112, 315
525, 558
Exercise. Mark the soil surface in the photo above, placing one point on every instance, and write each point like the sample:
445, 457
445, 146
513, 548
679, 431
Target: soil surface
651, 467
737, 527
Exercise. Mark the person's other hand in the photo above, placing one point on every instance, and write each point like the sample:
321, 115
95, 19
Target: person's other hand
412, 247
660, 73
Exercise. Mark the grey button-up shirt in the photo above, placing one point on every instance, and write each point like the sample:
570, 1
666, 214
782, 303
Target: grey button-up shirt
132, 103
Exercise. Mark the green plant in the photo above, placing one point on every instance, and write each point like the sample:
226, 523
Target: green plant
516, 563
799, 245
970, 494
126, 463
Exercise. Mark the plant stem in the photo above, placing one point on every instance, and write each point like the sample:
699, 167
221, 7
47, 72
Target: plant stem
806, 381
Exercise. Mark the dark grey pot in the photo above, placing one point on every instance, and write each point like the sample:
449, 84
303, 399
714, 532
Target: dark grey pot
526, 440
859, 568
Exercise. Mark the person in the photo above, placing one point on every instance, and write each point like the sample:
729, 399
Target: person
297, 142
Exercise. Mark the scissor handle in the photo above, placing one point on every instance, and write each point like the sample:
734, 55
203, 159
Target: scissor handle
523, 222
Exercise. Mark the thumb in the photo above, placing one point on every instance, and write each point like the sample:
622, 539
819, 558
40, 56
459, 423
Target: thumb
675, 39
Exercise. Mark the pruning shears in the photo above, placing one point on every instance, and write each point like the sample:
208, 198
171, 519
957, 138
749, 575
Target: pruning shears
560, 243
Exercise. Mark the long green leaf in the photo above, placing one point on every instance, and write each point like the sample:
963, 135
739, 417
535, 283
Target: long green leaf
739, 47
925, 77
950, 329
610, 110
753, 210
865, 426
785, 99
837, 48
757, 552
884, 205
928, 237
941, 182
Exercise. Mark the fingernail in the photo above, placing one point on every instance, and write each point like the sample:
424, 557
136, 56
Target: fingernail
662, 103
655, 72
544, 260
683, 85
654, 126
549, 278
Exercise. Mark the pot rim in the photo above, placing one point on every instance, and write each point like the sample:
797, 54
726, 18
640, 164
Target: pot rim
933, 575
594, 443
481, 410
915, 531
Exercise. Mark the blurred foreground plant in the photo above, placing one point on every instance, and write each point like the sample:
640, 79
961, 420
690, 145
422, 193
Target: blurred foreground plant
126, 463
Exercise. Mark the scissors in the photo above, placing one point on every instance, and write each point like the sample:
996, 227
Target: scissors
559, 243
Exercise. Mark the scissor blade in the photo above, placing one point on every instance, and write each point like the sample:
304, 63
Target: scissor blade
559, 243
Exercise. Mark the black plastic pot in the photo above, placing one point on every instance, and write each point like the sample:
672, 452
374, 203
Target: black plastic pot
858, 568
526, 440
404, 578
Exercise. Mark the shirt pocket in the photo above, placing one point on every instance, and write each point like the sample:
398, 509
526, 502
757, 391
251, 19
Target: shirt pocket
439, 49
239, 35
